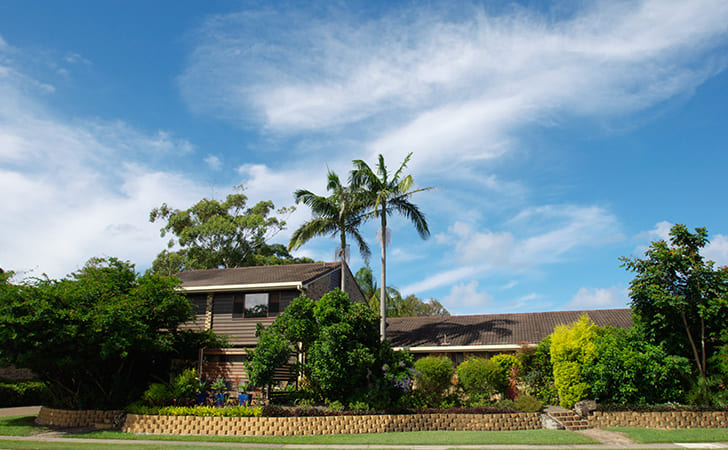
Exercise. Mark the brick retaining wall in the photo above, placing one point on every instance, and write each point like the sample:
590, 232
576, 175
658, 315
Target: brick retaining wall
663, 420
74, 419
293, 426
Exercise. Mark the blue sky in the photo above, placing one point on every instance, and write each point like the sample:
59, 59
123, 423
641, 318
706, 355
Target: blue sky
561, 135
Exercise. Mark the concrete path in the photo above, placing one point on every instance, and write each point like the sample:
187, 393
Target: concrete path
19, 411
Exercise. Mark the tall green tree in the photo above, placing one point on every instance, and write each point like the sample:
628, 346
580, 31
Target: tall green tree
680, 300
213, 234
98, 336
338, 215
386, 194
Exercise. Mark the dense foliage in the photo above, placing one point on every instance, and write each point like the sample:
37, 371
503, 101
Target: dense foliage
480, 379
98, 336
434, 378
680, 300
629, 370
342, 356
538, 372
213, 234
572, 347
22, 393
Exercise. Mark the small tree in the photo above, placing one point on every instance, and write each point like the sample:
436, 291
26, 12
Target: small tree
434, 378
98, 336
679, 299
572, 347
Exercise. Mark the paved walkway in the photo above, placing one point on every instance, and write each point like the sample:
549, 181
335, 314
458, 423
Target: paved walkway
19, 411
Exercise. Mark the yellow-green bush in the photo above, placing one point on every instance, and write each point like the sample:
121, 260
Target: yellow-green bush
573, 346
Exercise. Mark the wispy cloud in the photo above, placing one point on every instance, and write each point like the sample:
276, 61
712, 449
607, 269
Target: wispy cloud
595, 298
545, 235
455, 87
77, 188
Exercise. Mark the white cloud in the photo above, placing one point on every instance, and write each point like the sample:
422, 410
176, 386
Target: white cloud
717, 250
213, 162
467, 295
73, 189
594, 298
454, 85
547, 235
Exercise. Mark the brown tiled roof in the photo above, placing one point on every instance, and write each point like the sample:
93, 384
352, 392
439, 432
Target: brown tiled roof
493, 329
255, 275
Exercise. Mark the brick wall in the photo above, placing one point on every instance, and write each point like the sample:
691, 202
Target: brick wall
662, 420
74, 419
293, 426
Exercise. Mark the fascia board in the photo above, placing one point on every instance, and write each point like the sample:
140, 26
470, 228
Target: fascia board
243, 287
463, 348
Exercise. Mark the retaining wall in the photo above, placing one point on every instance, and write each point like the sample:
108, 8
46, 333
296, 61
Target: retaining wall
662, 420
74, 419
296, 426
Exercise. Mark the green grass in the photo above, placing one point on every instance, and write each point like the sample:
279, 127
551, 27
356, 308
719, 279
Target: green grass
649, 435
525, 437
19, 426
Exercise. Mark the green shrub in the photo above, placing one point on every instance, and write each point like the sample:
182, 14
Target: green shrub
185, 384
507, 362
23, 393
158, 394
433, 378
629, 370
200, 411
359, 407
538, 372
335, 406
573, 347
527, 403
481, 378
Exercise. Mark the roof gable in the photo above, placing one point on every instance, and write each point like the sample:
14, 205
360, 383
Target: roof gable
241, 276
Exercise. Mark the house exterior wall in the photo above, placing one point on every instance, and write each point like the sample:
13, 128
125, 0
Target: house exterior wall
214, 310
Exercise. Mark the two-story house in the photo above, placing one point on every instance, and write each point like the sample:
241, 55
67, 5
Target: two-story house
231, 302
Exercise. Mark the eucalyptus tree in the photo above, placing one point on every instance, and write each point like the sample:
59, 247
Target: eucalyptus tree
341, 213
386, 194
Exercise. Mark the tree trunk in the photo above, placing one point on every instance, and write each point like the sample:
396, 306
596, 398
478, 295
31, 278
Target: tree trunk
383, 289
701, 368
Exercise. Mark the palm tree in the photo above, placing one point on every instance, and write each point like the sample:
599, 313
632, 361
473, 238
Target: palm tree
340, 213
385, 195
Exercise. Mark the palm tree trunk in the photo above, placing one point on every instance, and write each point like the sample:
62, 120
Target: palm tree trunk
342, 255
383, 291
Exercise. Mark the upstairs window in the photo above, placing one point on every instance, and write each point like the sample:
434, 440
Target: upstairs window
254, 305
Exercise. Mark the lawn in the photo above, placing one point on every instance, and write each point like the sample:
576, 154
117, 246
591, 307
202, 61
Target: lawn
19, 426
525, 437
650, 435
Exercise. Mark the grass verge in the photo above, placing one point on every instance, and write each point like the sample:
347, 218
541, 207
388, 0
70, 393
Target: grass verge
19, 426
650, 435
524, 437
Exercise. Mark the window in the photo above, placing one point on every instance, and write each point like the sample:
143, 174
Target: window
247, 306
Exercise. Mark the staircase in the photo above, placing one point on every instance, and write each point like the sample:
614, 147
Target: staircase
567, 418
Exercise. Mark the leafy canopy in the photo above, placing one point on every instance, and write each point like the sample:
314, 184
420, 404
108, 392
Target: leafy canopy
213, 234
680, 300
98, 336
342, 357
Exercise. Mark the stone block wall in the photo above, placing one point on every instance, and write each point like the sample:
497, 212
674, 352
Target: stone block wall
296, 426
74, 419
662, 420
